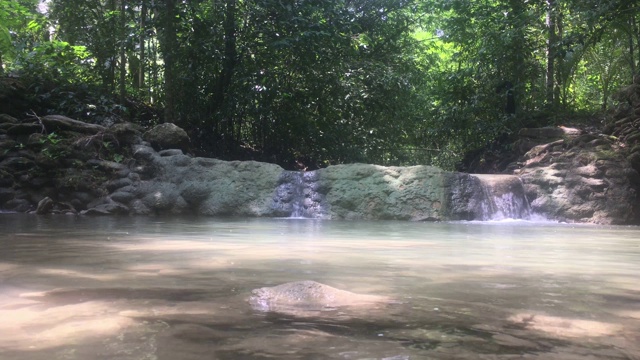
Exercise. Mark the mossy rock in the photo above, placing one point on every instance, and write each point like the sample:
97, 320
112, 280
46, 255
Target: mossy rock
634, 160
633, 138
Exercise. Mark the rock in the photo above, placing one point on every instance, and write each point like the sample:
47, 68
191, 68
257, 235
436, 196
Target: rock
581, 180
25, 129
80, 199
106, 209
18, 205
633, 138
144, 153
107, 165
126, 133
302, 298
181, 184
139, 208
44, 206
360, 191
6, 194
118, 183
122, 196
170, 152
17, 163
167, 136
160, 197
6, 145
41, 182
7, 119
123, 173
634, 160
6, 177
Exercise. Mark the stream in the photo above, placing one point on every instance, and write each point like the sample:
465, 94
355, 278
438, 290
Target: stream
177, 288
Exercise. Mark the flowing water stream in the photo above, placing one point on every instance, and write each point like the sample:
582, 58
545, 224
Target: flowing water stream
177, 289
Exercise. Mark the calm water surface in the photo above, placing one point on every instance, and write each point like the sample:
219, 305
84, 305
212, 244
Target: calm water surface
176, 289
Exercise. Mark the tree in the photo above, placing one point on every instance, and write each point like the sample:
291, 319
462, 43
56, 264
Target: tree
315, 82
169, 44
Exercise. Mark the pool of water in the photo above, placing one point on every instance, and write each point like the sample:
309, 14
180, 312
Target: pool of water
178, 288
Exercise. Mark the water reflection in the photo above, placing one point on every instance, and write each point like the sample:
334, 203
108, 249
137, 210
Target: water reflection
162, 288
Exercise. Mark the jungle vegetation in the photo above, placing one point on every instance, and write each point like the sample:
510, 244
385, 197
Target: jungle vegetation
320, 82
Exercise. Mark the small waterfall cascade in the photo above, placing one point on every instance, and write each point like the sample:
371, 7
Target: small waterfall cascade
297, 195
503, 198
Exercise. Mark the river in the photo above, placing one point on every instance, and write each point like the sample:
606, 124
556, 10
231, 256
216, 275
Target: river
177, 289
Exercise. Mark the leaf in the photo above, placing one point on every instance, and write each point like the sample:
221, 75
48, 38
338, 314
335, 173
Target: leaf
34, 26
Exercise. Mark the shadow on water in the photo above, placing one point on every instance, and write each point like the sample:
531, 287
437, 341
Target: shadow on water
161, 289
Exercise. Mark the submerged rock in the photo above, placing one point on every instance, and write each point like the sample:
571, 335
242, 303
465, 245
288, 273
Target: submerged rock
307, 297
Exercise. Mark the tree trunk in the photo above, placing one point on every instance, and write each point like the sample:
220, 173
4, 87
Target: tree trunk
143, 30
225, 128
562, 72
153, 88
634, 48
168, 52
551, 44
229, 58
123, 59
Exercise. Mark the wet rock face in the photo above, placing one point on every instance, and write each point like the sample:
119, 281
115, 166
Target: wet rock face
625, 123
584, 179
363, 191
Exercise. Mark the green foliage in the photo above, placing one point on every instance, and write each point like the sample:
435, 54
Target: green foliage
54, 147
395, 82
321, 82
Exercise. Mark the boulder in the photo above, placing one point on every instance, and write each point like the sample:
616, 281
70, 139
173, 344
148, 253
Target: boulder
45, 206
126, 133
307, 298
167, 136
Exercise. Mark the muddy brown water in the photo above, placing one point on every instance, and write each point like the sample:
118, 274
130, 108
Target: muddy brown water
177, 289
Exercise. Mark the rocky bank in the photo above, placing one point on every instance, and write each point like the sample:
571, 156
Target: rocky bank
54, 164
573, 176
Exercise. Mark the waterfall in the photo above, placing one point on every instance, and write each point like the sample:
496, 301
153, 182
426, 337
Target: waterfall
503, 198
377, 192
297, 195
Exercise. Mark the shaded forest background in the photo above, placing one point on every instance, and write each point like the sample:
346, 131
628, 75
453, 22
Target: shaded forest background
309, 83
